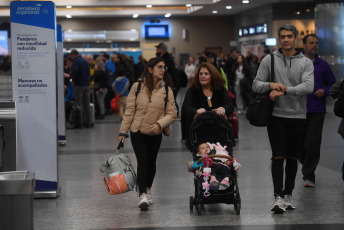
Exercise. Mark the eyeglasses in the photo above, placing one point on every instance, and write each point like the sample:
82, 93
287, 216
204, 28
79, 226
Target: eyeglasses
203, 73
161, 67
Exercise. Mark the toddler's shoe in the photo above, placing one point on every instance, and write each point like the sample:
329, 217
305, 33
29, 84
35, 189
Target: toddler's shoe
224, 184
213, 182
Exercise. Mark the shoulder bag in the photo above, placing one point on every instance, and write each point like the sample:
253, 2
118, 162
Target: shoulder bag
259, 111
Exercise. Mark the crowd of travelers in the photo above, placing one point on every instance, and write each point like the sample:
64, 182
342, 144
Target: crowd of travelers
226, 83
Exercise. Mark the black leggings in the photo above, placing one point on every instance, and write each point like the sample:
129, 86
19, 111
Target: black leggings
146, 150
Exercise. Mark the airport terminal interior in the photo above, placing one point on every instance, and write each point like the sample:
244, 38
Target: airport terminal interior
215, 26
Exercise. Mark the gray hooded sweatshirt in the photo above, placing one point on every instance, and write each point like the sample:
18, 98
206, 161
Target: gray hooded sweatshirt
295, 72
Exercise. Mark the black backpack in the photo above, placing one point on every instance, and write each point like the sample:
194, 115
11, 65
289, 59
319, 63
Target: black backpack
338, 108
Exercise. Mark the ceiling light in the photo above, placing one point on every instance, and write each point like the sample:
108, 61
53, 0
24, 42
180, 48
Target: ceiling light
245, 1
308, 10
68, 7
228, 7
149, 6
214, 11
168, 15
135, 15
188, 5
297, 12
68, 16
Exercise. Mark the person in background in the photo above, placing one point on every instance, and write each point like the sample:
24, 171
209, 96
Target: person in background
139, 67
92, 63
336, 91
239, 78
81, 83
161, 51
110, 68
129, 68
190, 69
100, 87
316, 109
146, 117
293, 80
233, 55
121, 88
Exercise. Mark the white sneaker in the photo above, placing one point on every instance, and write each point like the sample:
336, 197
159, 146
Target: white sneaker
144, 203
149, 197
278, 205
288, 202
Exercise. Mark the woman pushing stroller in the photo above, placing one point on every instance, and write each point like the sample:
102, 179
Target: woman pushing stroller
207, 93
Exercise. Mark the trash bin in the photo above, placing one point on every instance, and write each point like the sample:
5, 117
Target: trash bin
8, 119
16, 200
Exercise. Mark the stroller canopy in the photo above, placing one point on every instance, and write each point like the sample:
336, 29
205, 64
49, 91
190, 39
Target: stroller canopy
210, 127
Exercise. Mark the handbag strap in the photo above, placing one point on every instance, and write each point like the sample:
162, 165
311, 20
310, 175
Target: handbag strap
272, 76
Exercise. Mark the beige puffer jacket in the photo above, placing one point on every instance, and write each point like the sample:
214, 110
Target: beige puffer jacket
142, 112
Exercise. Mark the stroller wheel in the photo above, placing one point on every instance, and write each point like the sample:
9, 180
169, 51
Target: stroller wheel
237, 204
237, 207
199, 206
191, 203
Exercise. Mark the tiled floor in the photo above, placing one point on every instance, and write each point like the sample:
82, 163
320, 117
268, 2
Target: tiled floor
85, 204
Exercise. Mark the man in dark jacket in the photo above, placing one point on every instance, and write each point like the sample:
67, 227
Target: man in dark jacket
316, 109
81, 83
161, 51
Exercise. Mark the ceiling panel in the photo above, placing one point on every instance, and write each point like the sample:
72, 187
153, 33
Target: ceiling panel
126, 8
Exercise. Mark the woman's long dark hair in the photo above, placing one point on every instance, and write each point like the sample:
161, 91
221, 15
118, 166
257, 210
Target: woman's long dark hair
245, 68
147, 77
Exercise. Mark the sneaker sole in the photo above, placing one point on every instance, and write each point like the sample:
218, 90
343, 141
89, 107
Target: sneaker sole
289, 207
144, 206
309, 186
276, 209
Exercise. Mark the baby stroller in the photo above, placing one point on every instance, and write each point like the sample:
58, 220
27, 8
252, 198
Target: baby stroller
212, 128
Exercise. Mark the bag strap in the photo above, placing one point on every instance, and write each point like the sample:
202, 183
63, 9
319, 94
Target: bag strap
138, 89
166, 98
272, 77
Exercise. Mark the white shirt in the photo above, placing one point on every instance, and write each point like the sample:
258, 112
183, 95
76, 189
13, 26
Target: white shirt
239, 75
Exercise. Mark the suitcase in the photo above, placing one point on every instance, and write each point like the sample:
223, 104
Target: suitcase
234, 119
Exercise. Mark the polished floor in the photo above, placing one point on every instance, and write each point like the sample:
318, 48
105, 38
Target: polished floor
85, 204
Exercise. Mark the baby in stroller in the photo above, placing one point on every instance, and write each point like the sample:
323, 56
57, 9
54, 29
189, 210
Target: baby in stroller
220, 165
213, 162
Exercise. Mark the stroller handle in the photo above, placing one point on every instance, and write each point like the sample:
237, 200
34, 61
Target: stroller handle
225, 116
212, 156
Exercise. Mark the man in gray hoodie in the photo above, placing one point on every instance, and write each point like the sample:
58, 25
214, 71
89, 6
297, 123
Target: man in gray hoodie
294, 79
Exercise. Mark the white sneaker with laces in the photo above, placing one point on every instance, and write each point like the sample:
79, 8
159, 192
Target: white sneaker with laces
149, 197
144, 203
288, 202
278, 206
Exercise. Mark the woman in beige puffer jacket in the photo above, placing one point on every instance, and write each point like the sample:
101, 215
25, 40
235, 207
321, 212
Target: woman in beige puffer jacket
146, 117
